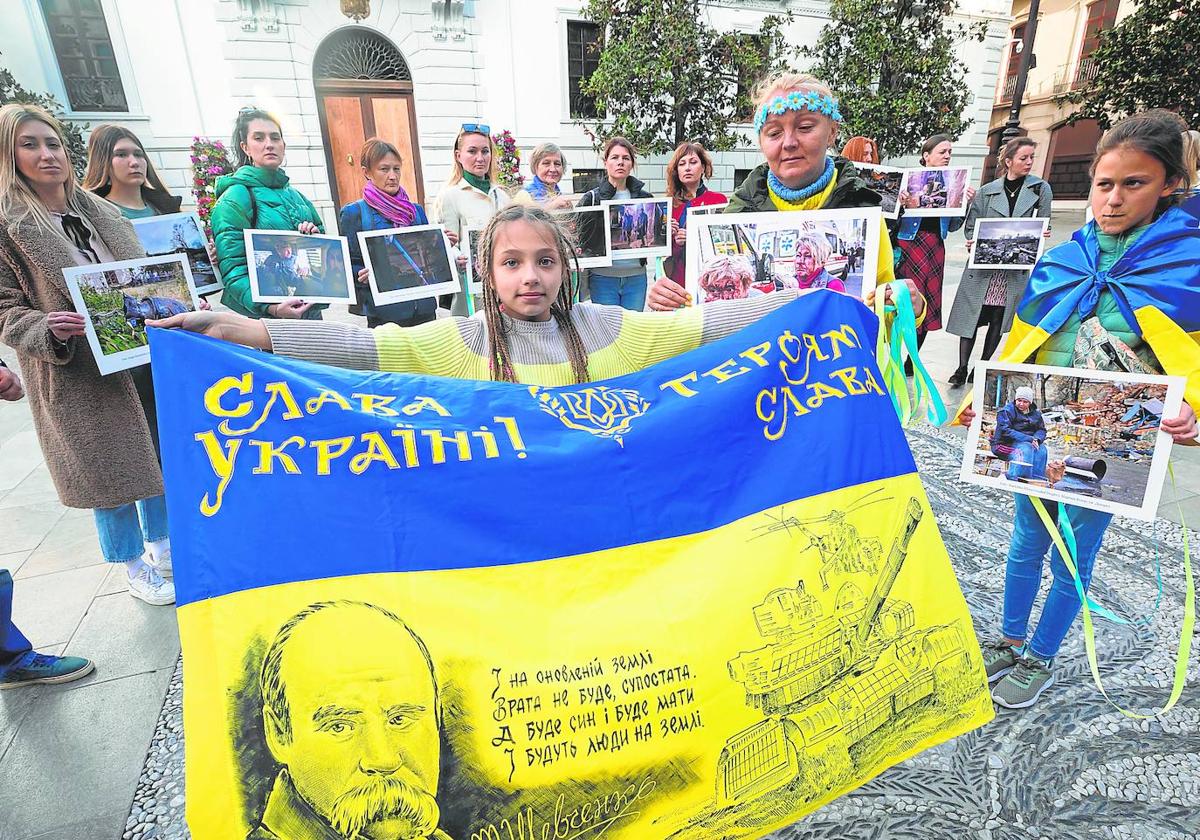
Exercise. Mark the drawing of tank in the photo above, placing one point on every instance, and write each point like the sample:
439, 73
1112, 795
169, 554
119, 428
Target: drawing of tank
826, 682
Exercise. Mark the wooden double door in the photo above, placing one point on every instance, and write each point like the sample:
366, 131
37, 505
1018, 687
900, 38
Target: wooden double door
353, 111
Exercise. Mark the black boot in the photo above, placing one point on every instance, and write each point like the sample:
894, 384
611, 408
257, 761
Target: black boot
971, 376
959, 377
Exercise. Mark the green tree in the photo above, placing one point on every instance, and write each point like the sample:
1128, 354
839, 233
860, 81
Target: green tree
893, 66
12, 91
665, 75
1148, 60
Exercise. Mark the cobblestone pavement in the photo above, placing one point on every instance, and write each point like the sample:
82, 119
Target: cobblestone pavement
1071, 767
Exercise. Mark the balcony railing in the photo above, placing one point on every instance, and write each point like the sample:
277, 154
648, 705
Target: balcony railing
1010, 85
1085, 74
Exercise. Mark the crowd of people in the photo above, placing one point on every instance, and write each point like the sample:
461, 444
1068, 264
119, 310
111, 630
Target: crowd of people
534, 323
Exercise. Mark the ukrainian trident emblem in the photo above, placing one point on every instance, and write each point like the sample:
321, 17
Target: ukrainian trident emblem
599, 410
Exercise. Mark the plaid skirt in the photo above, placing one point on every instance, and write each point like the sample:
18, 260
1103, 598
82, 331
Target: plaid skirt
923, 260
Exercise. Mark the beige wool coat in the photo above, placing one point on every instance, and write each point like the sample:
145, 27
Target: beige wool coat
92, 428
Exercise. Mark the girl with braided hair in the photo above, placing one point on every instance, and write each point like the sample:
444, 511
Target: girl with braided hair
529, 328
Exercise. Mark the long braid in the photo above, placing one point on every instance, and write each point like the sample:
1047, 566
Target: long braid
499, 355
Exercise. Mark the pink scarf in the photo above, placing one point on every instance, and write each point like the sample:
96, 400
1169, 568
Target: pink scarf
397, 208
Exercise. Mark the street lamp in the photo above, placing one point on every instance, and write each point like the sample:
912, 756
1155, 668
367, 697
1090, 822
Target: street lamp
1013, 127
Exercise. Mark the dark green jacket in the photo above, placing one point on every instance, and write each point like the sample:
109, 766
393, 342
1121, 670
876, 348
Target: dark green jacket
273, 206
752, 196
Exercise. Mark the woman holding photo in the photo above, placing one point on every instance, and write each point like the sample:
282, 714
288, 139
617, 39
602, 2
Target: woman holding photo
686, 171
548, 165
624, 282
471, 196
1129, 277
986, 296
797, 120
94, 435
257, 196
922, 243
384, 205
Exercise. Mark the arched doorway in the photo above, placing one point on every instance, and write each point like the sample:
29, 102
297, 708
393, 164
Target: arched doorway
1072, 147
364, 89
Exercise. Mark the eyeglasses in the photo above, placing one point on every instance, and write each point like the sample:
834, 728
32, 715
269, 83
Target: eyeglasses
477, 128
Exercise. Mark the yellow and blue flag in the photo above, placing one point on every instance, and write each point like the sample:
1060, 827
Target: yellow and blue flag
698, 601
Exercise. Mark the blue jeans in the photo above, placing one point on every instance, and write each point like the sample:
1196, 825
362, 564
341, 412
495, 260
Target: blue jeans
123, 529
13, 645
1027, 453
629, 292
1026, 553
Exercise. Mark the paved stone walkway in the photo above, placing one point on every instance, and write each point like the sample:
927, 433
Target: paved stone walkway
74, 758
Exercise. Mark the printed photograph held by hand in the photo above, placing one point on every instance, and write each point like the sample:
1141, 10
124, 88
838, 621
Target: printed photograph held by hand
884, 180
935, 191
639, 228
181, 233
286, 264
1008, 243
118, 298
408, 263
586, 226
1087, 437
736, 256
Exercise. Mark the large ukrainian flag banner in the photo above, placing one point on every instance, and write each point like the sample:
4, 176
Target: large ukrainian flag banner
698, 602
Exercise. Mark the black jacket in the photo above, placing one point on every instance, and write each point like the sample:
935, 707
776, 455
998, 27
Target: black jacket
607, 192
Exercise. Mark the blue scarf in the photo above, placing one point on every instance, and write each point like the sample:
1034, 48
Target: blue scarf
540, 190
1161, 269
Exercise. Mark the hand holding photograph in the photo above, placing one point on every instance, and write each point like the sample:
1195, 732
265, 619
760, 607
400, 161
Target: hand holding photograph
181, 233
639, 228
285, 265
470, 249
408, 263
117, 298
733, 256
1090, 438
1008, 243
935, 191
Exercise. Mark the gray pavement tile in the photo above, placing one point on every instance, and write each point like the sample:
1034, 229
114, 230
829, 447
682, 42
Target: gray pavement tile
13, 561
105, 827
101, 732
35, 487
20, 454
23, 528
124, 636
15, 703
48, 608
117, 580
71, 544
1190, 509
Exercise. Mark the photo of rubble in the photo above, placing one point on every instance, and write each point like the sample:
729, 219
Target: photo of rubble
1008, 243
1086, 437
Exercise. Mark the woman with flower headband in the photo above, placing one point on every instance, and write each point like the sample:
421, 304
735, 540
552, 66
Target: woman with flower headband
797, 121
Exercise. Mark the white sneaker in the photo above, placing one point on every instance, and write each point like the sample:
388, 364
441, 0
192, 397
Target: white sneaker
162, 565
149, 586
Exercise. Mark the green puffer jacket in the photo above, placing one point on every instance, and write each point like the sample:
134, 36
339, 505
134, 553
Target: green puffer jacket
254, 198
1059, 348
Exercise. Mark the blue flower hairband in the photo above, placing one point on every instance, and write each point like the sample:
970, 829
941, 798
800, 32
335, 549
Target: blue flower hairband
813, 101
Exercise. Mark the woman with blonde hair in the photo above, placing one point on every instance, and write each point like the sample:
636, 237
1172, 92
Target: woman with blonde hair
94, 435
548, 165
812, 254
471, 196
119, 169
686, 171
797, 121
